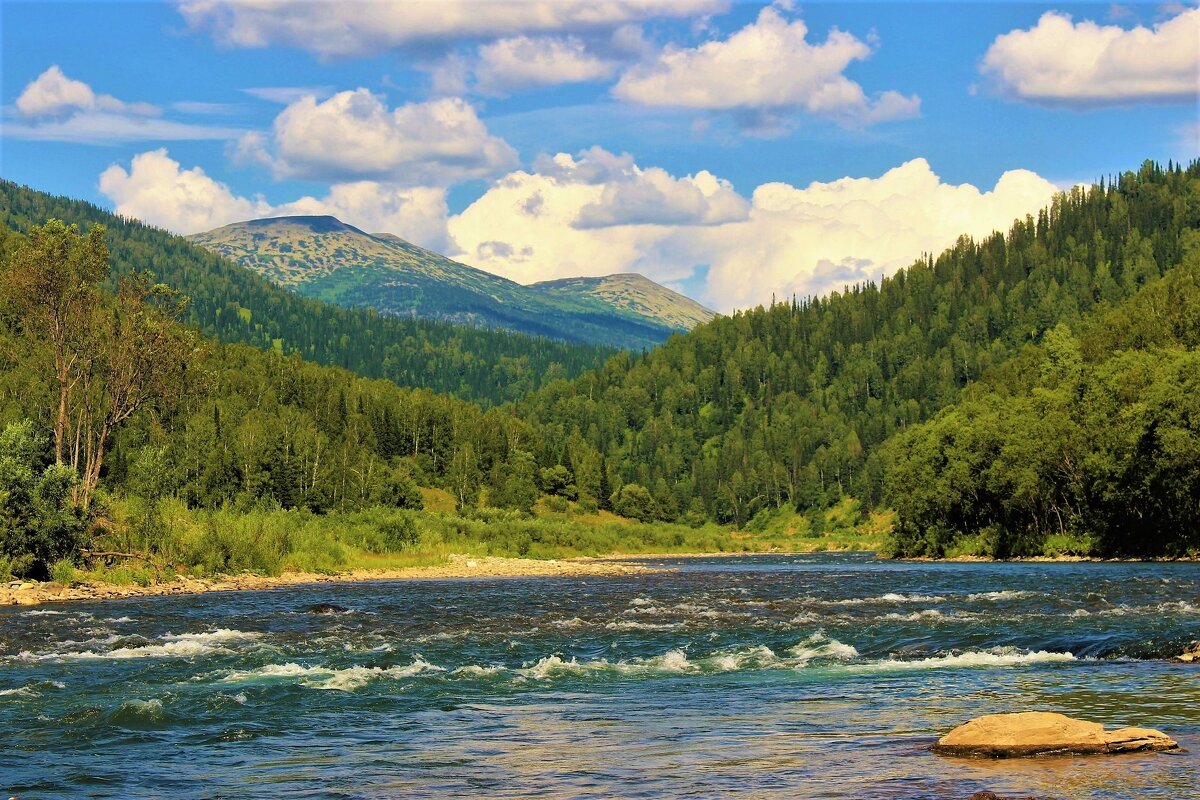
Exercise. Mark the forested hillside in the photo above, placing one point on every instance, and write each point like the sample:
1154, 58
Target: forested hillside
326, 259
1064, 358
231, 304
789, 404
1087, 443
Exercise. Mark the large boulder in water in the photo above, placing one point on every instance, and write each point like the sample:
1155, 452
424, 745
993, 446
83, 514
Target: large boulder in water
1190, 654
1036, 733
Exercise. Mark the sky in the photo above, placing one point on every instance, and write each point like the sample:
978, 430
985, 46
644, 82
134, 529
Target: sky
732, 151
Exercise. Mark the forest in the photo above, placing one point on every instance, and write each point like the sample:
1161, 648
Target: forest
228, 303
1032, 392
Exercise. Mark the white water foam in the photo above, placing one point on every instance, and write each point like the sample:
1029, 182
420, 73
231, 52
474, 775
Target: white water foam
633, 625
475, 670
1003, 594
182, 645
346, 679
821, 646
925, 615
890, 597
996, 657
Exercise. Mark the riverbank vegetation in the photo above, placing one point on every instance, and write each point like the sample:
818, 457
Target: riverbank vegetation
1030, 393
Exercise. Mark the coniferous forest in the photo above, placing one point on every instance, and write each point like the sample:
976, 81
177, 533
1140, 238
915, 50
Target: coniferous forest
1034, 392
231, 304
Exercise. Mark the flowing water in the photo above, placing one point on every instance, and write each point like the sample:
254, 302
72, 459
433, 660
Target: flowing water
798, 676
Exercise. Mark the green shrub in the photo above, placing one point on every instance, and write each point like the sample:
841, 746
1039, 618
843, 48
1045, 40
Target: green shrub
63, 572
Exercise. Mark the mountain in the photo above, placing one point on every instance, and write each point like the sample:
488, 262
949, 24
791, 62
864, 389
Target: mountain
324, 258
230, 303
635, 293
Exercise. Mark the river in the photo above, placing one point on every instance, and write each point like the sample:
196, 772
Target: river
811, 676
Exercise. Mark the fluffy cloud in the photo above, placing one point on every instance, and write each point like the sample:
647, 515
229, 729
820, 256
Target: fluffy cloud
363, 28
53, 94
55, 107
354, 136
157, 190
417, 213
821, 237
785, 240
765, 69
597, 213
1061, 62
594, 214
522, 62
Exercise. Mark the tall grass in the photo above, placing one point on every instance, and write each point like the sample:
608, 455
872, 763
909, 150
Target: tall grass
170, 538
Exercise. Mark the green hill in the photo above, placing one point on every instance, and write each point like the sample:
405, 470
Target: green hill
788, 406
634, 293
324, 258
232, 304
1034, 391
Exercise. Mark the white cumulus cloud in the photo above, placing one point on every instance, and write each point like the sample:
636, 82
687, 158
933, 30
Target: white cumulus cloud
762, 71
55, 107
1067, 63
598, 213
592, 214
52, 94
157, 190
824, 236
524, 62
559, 221
357, 28
354, 136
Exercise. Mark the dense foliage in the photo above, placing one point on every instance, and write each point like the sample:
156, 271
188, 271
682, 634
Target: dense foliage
232, 304
1061, 360
1087, 444
789, 404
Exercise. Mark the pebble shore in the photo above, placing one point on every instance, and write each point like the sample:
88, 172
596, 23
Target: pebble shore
30, 593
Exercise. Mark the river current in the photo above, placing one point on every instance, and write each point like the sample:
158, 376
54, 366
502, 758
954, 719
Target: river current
814, 676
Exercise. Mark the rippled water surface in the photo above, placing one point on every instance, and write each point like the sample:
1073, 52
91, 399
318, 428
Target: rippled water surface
798, 677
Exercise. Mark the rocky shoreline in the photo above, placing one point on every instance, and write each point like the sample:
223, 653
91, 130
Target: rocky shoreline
31, 593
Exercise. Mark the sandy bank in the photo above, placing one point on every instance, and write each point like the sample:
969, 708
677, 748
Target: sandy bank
28, 593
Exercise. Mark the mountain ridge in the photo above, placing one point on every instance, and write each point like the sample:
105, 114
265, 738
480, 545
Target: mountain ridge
325, 258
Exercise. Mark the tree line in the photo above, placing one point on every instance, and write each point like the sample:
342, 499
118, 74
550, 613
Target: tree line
109, 390
231, 304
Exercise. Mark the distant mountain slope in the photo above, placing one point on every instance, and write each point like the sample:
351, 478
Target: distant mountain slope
233, 304
323, 257
634, 293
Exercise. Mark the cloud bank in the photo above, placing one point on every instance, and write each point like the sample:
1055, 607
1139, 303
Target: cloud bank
356, 28
598, 213
354, 136
55, 107
765, 70
1059, 62
157, 190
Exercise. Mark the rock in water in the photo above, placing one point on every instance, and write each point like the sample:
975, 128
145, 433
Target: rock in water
327, 608
1190, 654
1035, 733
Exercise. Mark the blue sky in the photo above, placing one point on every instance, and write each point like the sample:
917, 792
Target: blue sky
538, 140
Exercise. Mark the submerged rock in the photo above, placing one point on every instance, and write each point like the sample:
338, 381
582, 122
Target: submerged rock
1034, 733
994, 796
327, 608
1190, 654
